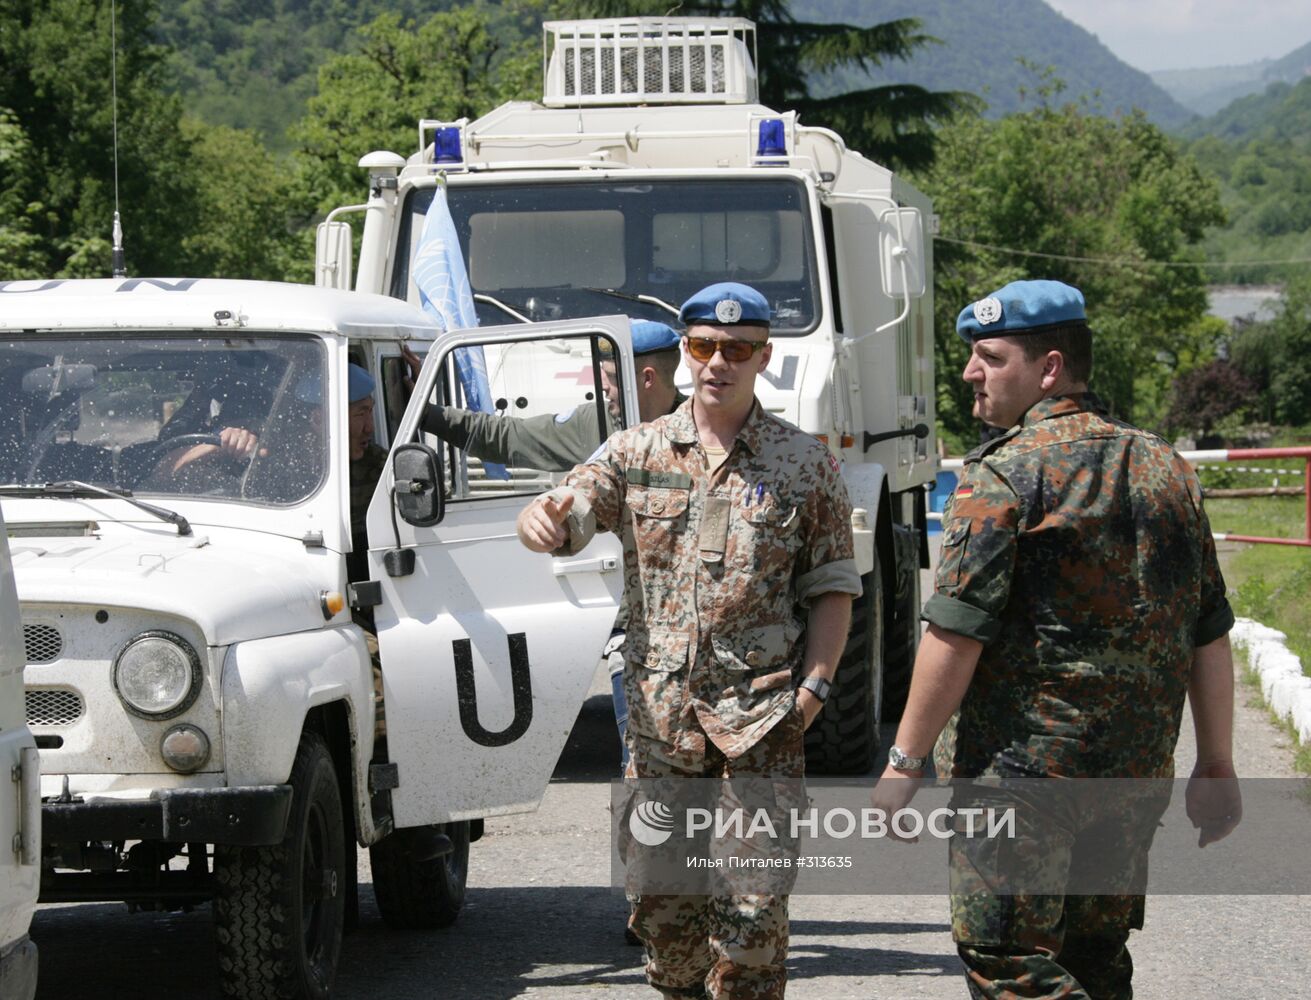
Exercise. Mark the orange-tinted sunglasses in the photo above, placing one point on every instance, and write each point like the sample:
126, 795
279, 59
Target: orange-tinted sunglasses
704, 348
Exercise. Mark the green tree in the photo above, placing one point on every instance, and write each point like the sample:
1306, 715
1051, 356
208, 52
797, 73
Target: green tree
459, 63
892, 124
243, 225
56, 81
1068, 190
20, 209
1276, 354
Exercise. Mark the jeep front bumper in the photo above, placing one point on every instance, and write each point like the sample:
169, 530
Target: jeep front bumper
242, 817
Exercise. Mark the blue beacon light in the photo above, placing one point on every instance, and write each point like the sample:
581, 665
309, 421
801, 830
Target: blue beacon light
446, 145
772, 141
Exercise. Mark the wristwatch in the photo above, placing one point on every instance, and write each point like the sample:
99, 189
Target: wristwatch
898, 760
818, 686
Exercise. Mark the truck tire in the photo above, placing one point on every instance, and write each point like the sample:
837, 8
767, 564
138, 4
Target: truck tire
844, 739
278, 911
902, 635
420, 895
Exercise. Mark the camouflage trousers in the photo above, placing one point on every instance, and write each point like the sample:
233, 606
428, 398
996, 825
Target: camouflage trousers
1018, 943
718, 946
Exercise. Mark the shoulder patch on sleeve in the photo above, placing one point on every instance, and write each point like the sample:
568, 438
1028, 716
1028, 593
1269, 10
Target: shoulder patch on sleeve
833, 462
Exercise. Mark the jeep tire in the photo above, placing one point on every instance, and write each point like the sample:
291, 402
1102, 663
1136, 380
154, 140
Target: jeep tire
901, 637
278, 911
416, 895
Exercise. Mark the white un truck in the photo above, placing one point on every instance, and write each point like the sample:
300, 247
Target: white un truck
649, 170
180, 472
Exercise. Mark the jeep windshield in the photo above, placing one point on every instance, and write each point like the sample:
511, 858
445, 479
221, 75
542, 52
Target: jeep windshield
178, 415
560, 249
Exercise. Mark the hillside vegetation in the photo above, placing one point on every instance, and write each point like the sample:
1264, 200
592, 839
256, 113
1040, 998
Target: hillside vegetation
985, 46
1207, 91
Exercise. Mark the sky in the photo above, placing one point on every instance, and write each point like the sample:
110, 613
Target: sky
1188, 34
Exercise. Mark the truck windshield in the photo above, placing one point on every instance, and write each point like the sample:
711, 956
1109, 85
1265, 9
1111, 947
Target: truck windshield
236, 418
556, 250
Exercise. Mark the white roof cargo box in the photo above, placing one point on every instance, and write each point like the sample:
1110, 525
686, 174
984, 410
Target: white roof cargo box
649, 60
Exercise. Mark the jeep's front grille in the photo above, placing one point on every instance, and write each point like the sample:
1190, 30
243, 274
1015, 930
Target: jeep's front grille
53, 707
43, 643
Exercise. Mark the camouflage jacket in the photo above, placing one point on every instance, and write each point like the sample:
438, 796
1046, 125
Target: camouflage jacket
1076, 549
717, 569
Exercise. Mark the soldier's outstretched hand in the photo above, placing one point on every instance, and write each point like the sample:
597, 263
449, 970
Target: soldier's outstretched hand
541, 524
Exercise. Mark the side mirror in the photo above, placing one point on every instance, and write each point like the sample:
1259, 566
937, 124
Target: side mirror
901, 252
332, 255
416, 469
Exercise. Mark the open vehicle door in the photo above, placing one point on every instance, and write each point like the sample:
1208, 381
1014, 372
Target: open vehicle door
488, 649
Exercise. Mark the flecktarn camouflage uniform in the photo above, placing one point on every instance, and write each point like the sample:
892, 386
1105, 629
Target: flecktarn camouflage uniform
1076, 550
718, 569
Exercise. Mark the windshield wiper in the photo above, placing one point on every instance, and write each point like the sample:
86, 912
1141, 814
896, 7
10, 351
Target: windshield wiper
76, 488
480, 297
635, 297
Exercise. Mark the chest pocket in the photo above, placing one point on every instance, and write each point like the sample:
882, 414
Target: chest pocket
664, 503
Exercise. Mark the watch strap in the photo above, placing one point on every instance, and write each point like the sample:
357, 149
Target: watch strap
818, 686
899, 760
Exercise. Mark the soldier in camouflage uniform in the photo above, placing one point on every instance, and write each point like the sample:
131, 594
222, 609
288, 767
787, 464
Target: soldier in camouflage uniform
737, 542
1078, 601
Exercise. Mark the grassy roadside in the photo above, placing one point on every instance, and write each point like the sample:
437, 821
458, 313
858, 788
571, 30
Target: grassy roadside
1270, 583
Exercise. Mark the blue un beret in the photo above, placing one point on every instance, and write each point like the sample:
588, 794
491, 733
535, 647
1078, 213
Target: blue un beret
359, 383
725, 304
1021, 307
650, 336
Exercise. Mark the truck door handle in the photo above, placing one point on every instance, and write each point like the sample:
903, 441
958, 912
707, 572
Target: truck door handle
603, 564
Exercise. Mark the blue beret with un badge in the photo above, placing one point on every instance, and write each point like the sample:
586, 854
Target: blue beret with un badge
650, 336
1021, 307
725, 304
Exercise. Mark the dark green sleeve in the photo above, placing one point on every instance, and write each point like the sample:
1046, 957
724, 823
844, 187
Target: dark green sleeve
553, 442
979, 537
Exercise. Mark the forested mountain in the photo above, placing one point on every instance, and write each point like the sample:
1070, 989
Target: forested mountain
984, 42
1207, 91
253, 63
1260, 150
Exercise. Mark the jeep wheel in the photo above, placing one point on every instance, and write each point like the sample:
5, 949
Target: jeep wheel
844, 739
902, 634
414, 894
278, 911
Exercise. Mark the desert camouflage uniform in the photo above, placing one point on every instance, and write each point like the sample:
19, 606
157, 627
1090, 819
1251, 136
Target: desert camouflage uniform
718, 568
1076, 550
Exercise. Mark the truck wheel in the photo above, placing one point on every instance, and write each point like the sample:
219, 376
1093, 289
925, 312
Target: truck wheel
278, 911
844, 739
902, 637
416, 895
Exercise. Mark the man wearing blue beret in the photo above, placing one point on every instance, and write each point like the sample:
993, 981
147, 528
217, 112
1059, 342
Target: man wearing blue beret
1078, 602
739, 571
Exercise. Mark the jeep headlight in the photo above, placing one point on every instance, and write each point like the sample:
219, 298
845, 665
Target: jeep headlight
157, 675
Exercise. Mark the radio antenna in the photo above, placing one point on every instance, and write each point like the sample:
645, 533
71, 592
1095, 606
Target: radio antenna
118, 264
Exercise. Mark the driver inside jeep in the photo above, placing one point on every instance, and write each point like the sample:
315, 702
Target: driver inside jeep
184, 416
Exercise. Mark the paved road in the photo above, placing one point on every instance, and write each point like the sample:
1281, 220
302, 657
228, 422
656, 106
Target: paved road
541, 922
